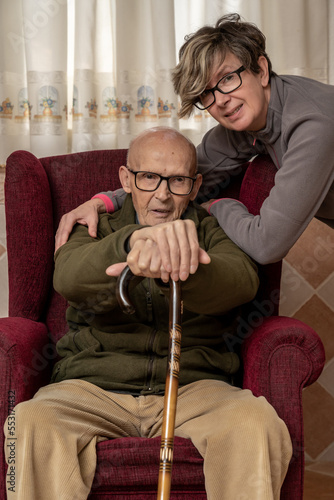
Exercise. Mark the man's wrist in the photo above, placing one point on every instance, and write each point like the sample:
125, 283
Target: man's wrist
132, 239
103, 203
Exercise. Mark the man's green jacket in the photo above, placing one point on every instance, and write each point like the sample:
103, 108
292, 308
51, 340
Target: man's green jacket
121, 352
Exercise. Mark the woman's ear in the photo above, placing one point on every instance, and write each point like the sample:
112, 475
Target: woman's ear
197, 185
124, 177
264, 70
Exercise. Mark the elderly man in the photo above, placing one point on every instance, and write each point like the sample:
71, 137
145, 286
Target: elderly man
110, 378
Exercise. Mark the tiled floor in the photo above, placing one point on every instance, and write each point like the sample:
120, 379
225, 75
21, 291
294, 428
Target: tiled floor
319, 481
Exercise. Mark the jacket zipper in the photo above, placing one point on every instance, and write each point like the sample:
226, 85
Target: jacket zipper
149, 305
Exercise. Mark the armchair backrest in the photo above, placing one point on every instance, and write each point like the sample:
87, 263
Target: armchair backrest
39, 191
255, 187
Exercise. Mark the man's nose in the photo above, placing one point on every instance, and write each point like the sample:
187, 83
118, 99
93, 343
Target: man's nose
163, 192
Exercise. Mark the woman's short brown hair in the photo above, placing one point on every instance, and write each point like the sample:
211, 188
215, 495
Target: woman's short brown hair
198, 54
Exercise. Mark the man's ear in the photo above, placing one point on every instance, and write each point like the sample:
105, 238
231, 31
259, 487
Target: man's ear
264, 70
197, 185
124, 177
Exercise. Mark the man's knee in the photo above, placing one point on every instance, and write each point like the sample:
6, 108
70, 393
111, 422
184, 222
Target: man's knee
260, 416
260, 411
249, 416
252, 427
31, 414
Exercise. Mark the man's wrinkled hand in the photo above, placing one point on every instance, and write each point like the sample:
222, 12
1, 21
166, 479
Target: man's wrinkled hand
116, 269
166, 250
144, 259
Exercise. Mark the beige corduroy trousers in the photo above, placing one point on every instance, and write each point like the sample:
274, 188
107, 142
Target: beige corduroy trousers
246, 447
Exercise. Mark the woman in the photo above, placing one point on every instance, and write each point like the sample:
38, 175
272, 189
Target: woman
225, 70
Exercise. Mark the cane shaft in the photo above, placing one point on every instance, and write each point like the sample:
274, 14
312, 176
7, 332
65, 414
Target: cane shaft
171, 389
172, 377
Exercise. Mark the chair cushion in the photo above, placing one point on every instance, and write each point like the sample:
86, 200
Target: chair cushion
118, 469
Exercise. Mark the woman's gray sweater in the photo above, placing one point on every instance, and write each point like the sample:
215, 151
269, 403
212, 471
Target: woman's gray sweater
299, 137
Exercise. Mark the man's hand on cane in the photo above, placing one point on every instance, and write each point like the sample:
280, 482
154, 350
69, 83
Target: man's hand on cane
166, 250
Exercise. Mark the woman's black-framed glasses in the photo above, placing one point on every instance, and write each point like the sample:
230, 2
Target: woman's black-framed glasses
230, 82
180, 185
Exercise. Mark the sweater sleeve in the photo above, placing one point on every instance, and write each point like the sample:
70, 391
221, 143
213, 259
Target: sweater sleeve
81, 263
301, 185
113, 200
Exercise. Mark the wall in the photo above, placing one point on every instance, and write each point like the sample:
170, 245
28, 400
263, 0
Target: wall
308, 295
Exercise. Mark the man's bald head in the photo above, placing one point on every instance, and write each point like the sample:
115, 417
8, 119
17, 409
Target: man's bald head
151, 138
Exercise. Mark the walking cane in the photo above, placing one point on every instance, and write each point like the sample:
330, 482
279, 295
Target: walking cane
172, 377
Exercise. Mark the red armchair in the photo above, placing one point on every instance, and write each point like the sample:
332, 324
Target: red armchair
280, 355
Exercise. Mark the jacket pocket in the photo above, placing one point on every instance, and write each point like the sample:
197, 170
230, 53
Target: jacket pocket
84, 339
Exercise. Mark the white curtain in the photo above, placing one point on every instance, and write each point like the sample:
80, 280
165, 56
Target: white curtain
90, 74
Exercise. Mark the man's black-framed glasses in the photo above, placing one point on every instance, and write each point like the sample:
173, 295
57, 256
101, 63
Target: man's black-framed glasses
180, 185
230, 82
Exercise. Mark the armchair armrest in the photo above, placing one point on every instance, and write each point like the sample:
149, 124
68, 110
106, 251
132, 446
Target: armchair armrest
281, 357
25, 353
280, 346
